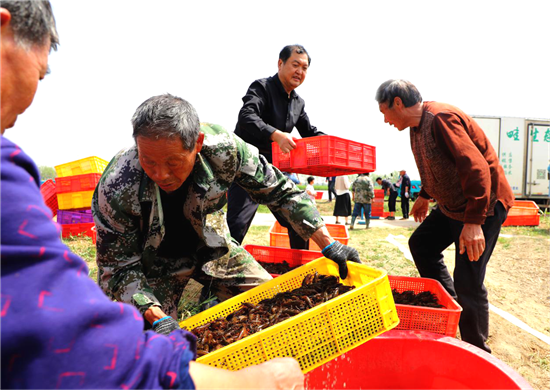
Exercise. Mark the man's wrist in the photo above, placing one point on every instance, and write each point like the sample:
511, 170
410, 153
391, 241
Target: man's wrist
153, 314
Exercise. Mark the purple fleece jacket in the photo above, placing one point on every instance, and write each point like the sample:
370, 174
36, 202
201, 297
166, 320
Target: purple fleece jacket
58, 328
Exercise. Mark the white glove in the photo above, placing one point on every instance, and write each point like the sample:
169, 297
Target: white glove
406, 194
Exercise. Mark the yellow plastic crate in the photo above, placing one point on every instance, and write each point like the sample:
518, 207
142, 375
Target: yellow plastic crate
315, 336
75, 200
81, 167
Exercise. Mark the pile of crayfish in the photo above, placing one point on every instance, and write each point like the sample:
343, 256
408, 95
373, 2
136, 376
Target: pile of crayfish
424, 298
315, 290
277, 268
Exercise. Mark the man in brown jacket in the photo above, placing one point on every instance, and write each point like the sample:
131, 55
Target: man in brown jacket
460, 170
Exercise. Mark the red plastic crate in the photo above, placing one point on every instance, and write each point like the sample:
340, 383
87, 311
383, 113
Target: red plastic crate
523, 213
94, 234
67, 217
442, 321
379, 194
270, 254
318, 195
76, 229
278, 236
77, 183
325, 156
49, 194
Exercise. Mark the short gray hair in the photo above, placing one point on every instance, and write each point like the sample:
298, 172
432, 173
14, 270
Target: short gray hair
403, 89
32, 23
166, 116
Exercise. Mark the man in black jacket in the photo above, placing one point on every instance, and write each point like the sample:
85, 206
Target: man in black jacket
405, 193
271, 109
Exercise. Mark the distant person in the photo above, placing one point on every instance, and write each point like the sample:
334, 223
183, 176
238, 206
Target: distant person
331, 180
391, 192
293, 177
362, 191
404, 191
342, 206
58, 328
271, 109
459, 169
310, 190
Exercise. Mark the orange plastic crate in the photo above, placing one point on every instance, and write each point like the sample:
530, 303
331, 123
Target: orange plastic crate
75, 229
442, 321
523, 213
278, 236
325, 156
49, 194
270, 254
318, 195
379, 194
77, 183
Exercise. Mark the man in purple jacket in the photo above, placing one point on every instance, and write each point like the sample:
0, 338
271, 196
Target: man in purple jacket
58, 329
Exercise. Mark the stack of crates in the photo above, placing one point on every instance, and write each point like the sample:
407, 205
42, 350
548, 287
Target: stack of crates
75, 184
377, 206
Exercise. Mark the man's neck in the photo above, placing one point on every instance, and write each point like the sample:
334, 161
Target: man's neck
415, 114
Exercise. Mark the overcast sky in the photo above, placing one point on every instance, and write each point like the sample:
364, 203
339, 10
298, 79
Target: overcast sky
486, 57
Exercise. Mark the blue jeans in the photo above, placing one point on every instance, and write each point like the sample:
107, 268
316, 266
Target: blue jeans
358, 207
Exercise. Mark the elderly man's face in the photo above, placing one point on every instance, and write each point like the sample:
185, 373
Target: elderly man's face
166, 161
293, 72
21, 71
394, 115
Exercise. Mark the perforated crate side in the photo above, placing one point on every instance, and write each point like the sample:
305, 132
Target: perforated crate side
83, 166
75, 200
316, 335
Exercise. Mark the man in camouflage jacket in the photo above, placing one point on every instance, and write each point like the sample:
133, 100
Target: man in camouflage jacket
362, 191
130, 221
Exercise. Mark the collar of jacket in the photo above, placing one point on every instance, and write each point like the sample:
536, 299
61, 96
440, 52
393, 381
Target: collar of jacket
293, 94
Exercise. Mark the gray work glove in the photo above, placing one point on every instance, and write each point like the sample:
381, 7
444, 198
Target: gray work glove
340, 253
165, 325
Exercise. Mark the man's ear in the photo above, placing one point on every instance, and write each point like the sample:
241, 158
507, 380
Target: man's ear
200, 140
5, 17
397, 102
279, 64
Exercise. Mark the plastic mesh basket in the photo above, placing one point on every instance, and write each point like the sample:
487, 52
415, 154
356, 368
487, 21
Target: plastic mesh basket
325, 156
442, 321
270, 254
523, 213
76, 229
48, 190
86, 182
75, 200
80, 167
278, 236
316, 335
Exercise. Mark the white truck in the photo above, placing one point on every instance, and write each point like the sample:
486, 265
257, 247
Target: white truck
523, 147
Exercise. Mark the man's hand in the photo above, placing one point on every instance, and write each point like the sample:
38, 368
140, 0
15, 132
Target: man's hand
406, 194
420, 209
284, 140
340, 254
472, 241
165, 325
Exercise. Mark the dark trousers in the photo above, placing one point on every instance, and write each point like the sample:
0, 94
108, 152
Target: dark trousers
427, 243
405, 206
240, 213
331, 191
391, 201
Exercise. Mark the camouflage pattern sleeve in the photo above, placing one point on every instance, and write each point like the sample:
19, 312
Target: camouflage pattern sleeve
117, 215
267, 185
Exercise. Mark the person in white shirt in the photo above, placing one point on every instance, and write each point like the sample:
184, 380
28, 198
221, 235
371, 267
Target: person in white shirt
310, 190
